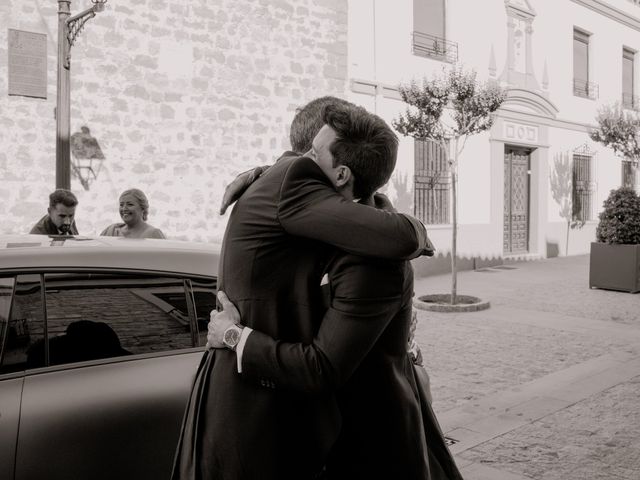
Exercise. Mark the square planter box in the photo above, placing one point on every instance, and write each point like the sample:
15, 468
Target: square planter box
615, 267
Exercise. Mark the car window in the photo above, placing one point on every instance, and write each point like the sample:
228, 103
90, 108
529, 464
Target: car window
6, 291
22, 336
95, 316
204, 295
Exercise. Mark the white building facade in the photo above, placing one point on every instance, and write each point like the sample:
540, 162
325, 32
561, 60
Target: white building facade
532, 186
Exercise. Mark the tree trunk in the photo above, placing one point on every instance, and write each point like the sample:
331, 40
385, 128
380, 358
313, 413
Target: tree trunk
454, 239
454, 225
566, 253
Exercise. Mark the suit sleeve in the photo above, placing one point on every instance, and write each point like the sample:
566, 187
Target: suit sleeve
349, 329
310, 207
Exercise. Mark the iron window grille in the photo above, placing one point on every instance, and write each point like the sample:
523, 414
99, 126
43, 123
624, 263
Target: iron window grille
432, 183
583, 187
426, 45
583, 88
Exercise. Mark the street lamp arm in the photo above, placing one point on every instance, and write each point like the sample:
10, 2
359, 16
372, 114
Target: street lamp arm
75, 23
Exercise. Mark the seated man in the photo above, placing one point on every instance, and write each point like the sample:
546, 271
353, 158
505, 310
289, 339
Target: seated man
83, 340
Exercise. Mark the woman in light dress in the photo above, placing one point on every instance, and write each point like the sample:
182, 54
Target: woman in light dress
134, 209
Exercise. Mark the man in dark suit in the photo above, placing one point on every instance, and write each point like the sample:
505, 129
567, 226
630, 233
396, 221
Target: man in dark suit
273, 257
59, 219
359, 353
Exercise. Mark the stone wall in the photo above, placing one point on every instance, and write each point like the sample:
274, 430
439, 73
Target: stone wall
180, 95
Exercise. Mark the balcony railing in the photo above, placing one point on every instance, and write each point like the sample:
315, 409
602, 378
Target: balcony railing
582, 88
427, 45
630, 101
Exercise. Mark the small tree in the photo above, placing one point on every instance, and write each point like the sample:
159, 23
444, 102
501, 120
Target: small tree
448, 109
619, 129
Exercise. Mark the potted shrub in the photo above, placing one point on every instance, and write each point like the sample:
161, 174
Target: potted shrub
615, 257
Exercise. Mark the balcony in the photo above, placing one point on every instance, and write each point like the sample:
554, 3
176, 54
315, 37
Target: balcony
426, 45
630, 101
583, 88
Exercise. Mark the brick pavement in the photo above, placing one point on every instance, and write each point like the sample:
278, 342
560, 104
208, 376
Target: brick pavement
544, 383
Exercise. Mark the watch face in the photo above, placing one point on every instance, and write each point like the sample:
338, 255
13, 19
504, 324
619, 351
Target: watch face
231, 336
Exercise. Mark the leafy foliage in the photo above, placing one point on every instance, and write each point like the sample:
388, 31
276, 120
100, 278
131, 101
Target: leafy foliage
620, 218
472, 103
618, 129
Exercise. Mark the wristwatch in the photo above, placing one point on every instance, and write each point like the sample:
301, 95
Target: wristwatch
231, 336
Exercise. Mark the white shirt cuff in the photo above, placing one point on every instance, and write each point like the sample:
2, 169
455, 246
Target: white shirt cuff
240, 348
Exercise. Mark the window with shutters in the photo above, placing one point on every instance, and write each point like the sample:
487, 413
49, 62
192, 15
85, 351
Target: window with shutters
630, 175
583, 187
582, 86
429, 31
629, 99
432, 183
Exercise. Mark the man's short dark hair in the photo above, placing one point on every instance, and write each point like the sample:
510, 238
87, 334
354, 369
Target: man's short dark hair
365, 144
65, 197
308, 121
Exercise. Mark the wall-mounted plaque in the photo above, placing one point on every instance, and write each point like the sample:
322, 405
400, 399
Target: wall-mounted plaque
27, 63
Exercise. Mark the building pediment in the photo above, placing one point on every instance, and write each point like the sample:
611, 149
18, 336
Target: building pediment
520, 8
530, 101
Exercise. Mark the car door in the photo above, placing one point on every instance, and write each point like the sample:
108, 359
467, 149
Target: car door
10, 382
119, 364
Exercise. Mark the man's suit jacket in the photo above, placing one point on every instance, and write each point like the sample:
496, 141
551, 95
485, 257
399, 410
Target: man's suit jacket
360, 352
271, 267
46, 227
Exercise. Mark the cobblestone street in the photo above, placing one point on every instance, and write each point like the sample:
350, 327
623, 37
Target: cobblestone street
544, 384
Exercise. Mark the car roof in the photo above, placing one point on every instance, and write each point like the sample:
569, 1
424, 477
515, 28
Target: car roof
54, 253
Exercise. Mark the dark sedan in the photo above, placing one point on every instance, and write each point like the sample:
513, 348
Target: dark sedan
99, 343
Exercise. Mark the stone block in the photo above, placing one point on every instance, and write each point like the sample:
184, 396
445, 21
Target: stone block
137, 91
225, 115
123, 10
167, 112
260, 90
146, 61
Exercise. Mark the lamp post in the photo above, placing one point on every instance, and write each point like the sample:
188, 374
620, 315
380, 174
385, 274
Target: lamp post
68, 29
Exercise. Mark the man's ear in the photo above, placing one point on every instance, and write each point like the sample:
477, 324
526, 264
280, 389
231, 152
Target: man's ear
343, 175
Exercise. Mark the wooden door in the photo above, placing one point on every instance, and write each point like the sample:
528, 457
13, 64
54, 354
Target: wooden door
516, 201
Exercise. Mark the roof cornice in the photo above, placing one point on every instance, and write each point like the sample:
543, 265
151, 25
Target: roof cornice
611, 12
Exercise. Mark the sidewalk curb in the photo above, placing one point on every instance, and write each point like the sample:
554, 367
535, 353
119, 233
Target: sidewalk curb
479, 471
506, 411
